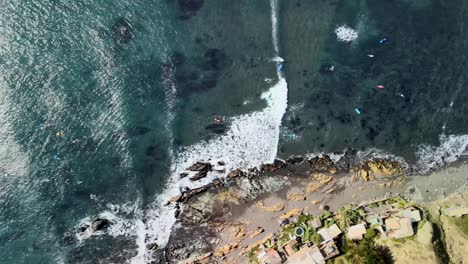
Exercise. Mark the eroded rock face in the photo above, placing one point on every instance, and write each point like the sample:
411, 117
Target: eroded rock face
385, 167
122, 31
323, 163
277, 164
235, 174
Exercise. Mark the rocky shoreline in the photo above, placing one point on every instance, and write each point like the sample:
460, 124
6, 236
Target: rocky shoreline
201, 211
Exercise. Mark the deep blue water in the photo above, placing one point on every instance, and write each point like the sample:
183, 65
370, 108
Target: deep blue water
98, 98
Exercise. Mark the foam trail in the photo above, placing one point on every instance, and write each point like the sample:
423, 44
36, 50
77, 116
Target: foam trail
251, 140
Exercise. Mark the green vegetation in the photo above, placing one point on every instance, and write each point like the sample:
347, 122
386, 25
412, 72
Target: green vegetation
253, 255
325, 215
349, 216
363, 252
462, 223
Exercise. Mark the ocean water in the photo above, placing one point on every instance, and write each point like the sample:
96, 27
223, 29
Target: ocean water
103, 103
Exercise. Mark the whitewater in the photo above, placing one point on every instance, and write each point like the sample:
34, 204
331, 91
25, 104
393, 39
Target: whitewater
251, 141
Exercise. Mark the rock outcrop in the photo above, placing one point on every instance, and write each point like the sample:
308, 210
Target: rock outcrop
323, 163
276, 165
100, 224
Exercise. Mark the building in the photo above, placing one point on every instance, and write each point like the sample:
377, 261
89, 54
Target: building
329, 249
329, 233
458, 212
307, 255
269, 256
399, 227
412, 213
290, 247
356, 232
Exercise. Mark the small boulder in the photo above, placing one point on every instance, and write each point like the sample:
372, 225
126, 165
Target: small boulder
199, 175
276, 165
200, 166
100, 224
152, 246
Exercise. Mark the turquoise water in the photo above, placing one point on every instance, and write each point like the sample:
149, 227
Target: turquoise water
99, 101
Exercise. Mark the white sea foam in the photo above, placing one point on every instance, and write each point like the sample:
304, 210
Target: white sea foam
346, 34
277, 59
121, 218
251, 141
449, 150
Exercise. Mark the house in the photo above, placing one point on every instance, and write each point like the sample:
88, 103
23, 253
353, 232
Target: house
290, 246
356, 232
399, 227
458, 212
270, 256
329, 249
329, 233
307, 255
412, 213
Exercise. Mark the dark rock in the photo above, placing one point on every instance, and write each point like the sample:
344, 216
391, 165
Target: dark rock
216, 183
201, 174
187, 195
177, 213
139, 131
214, 60
122, 31
217, 128
221, 163
175, 199
295, 160
200, 166
183, 175
177, 58
276, 165
100, 224
327, 68
323, 163
83, 228
235, 174
152, 246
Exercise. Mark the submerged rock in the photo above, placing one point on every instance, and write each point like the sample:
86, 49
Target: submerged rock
122, 31
189, 8
217, 128
295, 160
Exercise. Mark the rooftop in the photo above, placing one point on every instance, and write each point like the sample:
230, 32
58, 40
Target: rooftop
329, 233
307, 255
405, 228
356, 232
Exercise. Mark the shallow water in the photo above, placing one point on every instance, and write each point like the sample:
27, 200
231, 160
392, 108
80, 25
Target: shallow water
102, 103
